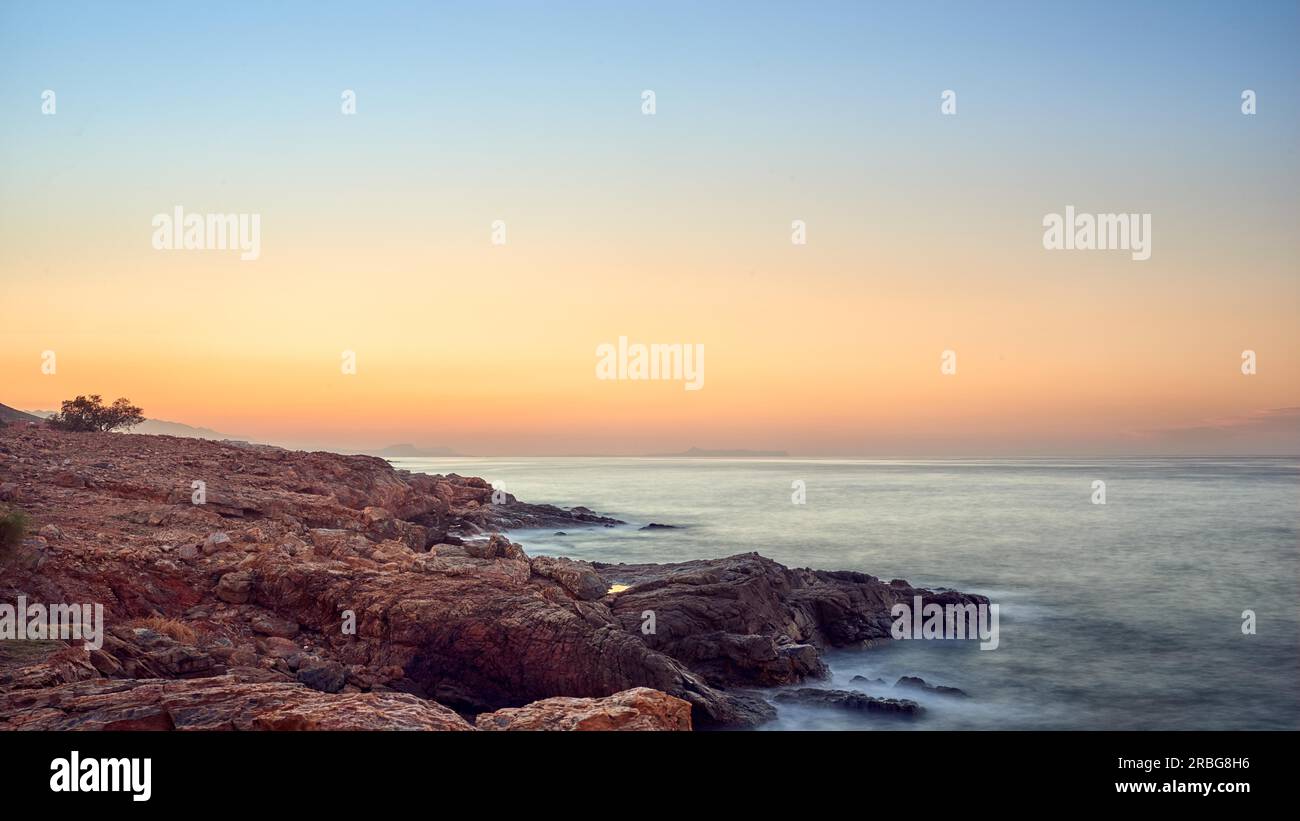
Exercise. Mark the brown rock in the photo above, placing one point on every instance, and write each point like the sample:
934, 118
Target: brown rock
282, 648
326, 676
235, 587
216, 543
30, 555
269, 624
471, 624
637, 709
70, 479
577, 577
243, 657
496, 547
142, 652
746, 620
215, 703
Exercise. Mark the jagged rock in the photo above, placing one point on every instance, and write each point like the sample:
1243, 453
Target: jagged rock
216, 543
216, 703
513, 514
637, 709
324, 542
849, 700
269, 624
69, 479
32, 665
746, 620
29, 555
234, 587
918, 683
326, 676
475, 635
282, 648
496, 547
245, 656
577, 577
382, 525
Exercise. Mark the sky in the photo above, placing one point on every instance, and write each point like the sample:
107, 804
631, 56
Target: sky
924, 230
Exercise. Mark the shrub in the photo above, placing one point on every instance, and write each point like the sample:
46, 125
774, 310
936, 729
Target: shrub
88, 413
178, 630
13, 527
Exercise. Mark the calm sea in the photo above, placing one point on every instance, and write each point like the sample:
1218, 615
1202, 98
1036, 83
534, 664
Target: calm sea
1126, 615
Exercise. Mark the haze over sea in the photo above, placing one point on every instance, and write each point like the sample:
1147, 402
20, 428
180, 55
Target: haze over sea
1126, 615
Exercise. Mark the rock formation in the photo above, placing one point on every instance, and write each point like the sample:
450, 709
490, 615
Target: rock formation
849, 700
637, 709
254, 587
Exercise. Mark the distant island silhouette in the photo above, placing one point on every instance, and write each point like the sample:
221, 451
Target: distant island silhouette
406, 449
703, 453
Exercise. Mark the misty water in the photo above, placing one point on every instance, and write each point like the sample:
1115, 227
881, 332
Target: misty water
1126, 615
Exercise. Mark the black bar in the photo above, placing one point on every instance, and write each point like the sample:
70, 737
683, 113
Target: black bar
603, 771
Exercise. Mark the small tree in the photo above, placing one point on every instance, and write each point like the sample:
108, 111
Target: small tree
123, 415
13, 527
87, 413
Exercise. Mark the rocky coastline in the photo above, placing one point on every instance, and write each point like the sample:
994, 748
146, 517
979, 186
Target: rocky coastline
252, 587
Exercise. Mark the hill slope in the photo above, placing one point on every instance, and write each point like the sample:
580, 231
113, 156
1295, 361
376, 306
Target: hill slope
8, 414
158, 427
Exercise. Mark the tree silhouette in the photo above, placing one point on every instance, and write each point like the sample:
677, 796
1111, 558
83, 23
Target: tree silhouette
88, 413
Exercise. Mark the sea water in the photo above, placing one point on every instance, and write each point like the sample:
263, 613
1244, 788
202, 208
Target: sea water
1122, 615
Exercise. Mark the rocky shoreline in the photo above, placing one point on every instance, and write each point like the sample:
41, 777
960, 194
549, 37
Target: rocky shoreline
322, 591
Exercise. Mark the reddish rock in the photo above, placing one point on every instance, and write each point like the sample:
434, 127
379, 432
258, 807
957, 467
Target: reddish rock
217, 542
69, 479
269, 624
328, 541
326, 676
579, 578
637, 709
141, 652
215, 703
235, 587
746, 620
496, 547
282, 648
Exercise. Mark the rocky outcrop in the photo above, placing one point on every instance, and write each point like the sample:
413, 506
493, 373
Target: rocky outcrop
746, 620
476, 634
637, 709
335, 576
473, 510
849, 700
918, 683
578, 578
217, 703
